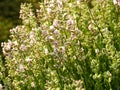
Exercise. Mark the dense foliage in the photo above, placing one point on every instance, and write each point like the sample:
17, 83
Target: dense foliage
64, 45
9, 12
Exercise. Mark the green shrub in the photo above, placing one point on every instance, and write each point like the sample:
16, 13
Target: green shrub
5, 25
65, 45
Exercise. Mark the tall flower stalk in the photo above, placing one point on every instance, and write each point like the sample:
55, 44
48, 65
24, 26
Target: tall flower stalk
63, 45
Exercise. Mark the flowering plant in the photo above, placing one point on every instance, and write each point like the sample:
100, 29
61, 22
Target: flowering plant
64, 45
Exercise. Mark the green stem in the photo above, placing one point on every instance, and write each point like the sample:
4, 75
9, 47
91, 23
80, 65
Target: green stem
92, 17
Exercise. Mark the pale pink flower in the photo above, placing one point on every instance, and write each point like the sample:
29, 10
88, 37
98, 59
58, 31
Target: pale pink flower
33, 41
90, 27
50, 38
52, 5
52, 27
97, 51
70, 22
49, 10
62, 49
45, 32
23, 47
57, 32
70, 4
28, 59
60, 4
46, 51
32, 38
21, 68
32, 84
78, 2
32, 34
55, 23
116, 2
73, 37
1, 87
15, 43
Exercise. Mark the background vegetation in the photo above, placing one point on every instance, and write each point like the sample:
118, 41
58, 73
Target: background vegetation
9, 14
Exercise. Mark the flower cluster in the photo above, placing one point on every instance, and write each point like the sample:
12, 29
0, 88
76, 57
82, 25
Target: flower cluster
64, 45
